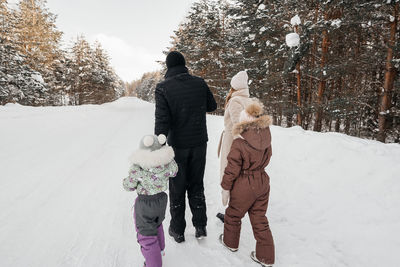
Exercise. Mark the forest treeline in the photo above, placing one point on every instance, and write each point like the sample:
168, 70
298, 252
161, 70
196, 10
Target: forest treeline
35, 69
343, 76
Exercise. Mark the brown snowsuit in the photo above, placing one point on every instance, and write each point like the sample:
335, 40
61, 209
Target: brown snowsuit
248, 183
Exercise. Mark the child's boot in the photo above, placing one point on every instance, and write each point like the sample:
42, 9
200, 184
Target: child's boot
254, 258
221, 239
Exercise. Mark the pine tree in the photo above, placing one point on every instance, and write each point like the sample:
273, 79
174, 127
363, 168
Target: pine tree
91, 78
80, 76
37, 35
18, 82
34, 70
5, 20
204, 40
146, 86
102, 76
332, 81
59, 84
38, 39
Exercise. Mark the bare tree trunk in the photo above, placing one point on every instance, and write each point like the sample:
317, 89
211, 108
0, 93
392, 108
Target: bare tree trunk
289, 121
280, 111
313, 55
337, 125
299, 116
322, 82
328, 122
328, 119
279, 123
389, 79
339, 92
347, 126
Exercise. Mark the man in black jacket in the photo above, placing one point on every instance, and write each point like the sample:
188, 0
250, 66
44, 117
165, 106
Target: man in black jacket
182, 101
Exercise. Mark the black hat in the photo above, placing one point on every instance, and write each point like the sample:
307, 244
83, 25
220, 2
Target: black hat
175, 58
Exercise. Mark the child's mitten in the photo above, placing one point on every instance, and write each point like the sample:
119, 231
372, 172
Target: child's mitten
225, 197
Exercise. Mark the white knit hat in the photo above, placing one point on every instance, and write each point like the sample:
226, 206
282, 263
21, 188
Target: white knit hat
240, 80
152, 142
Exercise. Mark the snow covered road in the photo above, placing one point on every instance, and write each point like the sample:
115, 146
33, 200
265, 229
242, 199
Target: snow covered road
334, 198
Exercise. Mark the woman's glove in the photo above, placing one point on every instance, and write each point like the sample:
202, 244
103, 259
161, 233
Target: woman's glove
225, 197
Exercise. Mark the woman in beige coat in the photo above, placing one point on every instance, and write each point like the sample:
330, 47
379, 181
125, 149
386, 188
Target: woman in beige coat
236, 101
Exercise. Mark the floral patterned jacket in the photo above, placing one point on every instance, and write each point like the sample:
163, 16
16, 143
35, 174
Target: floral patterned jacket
150, 171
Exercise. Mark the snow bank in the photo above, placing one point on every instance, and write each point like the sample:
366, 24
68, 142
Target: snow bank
334, 198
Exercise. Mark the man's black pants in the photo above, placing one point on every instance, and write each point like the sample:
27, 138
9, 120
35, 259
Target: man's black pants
191, 163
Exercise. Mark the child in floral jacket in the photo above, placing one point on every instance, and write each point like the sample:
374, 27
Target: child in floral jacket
152, 166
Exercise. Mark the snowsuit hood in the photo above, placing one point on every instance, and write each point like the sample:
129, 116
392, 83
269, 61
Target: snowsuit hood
255, 133
253, 127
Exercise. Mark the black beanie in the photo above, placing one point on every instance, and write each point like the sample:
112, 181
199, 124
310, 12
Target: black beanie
175, 58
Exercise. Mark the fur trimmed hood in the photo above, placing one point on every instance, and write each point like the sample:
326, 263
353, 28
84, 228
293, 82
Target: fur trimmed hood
150, 159
254, 119
256, 133
255, 127
261, 122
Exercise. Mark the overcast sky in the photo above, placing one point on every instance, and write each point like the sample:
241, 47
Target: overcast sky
134, 32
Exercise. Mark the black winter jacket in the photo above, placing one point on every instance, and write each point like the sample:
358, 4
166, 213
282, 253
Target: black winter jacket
182, 101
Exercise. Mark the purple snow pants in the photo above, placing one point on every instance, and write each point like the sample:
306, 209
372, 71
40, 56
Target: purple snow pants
150, 233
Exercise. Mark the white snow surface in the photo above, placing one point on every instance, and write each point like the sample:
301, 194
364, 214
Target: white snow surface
38, 77
295, 20
334, 198
292, 39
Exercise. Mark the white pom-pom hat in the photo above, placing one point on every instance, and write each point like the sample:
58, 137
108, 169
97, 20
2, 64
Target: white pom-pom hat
153, 142
148, 141
162, 139
153, 152
240, 81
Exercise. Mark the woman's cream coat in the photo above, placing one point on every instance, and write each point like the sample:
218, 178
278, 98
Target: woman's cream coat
239, 101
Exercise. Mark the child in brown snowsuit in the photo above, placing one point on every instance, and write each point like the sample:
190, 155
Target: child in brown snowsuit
246, 184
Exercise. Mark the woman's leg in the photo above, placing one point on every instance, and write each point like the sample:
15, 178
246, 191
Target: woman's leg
225, 148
